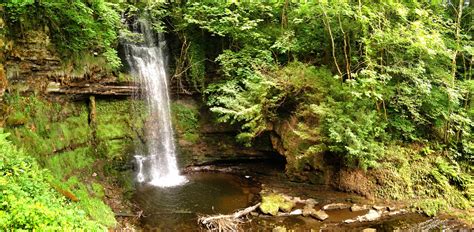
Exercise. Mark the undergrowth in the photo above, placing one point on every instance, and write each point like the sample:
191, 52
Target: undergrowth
29, 202
431, 182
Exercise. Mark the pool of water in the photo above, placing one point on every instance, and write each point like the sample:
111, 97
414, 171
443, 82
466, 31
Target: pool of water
208, 193
177, 208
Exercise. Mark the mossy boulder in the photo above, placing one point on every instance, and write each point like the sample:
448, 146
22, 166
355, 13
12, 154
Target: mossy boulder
273, 202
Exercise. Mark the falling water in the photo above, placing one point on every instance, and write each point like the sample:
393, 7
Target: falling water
147, 62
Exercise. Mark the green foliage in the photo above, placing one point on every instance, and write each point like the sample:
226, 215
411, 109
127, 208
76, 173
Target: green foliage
28, 200
430, 181
58, 134
186, 121
76, 27
118, 122
431, 207
393, 62
46, 127
273, 202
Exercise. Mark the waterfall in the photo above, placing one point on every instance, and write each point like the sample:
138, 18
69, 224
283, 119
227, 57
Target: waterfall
147, 63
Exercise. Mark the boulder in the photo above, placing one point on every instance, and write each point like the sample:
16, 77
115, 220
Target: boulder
274, 202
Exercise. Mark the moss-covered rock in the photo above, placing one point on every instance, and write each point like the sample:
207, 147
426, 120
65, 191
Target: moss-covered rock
273, 202
75, 145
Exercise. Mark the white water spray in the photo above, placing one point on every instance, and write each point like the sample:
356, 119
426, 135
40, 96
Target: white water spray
147, 62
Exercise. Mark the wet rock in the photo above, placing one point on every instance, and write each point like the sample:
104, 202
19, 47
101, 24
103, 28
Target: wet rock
273, 202
369, 230
355, 208
336, 206
308, 210
296, 212
350, 221
320, 215
379, 207
370, 216
254, 213
279, 229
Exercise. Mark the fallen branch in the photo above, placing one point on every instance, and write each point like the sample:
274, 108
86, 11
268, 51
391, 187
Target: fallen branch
226, 222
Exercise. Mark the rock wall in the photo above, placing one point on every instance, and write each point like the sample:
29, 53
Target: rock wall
201, 140
302, 163
3, 78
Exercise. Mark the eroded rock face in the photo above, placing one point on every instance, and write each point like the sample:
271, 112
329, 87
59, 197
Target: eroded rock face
31, 61
301, 165
31, 64
3, 78
203, 141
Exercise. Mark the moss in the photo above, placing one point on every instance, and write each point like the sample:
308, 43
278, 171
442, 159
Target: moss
16, 119
118, 122
408, 174
98, 190
93, 206
431, 207
66, 163
273, 202
124, 77
186, 121
47, 127
58, 134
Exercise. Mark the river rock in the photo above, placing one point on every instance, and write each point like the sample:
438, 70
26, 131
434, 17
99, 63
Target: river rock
311, 201
379, 207
273, 202
369, 230
336, 206
320, 215
308, 210
370, 216
355, 208
296, 212
350, 221
279, 229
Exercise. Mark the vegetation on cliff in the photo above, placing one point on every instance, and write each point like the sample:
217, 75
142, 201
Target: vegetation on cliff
383, 91
377, 87
29, 202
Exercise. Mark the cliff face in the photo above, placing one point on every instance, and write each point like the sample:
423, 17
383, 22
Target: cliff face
3, 78
201, 140
33, 65
30, 62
